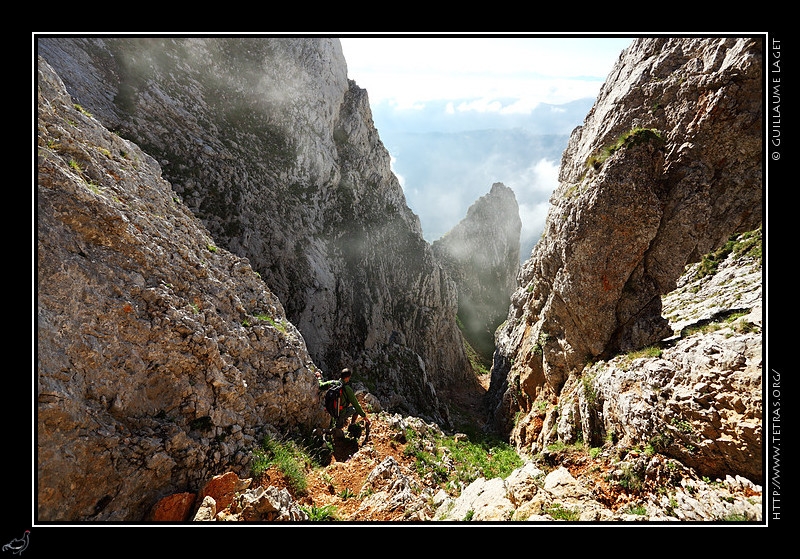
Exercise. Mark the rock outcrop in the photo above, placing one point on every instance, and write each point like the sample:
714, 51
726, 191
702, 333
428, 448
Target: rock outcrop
270, 145
161, 357
665, 168
531, 495
697, 397
481, 254
410, 471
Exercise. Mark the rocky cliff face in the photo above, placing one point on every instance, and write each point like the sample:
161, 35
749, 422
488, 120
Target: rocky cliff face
164, 351
696, 397
666, 166
267, 142
481, 254
161, 357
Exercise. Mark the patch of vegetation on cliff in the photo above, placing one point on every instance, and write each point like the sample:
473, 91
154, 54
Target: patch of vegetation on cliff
633, 137
740, 245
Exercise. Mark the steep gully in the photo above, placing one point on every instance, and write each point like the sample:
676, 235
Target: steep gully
472, 398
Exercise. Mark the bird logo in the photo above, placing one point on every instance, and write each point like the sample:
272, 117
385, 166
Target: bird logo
18, 545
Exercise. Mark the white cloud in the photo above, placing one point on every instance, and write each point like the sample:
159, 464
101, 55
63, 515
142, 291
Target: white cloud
482, 105
412, 70
533, 217
474, 84
541, 177
400, 178
533, 188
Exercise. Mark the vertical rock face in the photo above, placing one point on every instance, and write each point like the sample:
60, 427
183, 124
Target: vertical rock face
697, 398
481, 254
666, 166
252, 181
161, 357
267, 142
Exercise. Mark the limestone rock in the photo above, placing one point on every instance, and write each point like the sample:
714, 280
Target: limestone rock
174, 508
269, 504
494, 499
524, 482
698, 398
159, 354
389, 488
223, 488
666, 166
273, 148
481, 500
559, 496
481, 254
207, 511
700, 402
724, 282
561, 485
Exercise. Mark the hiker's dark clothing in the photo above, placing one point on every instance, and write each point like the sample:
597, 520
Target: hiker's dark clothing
349, 407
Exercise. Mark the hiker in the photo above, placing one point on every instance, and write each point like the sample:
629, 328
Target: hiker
347, 405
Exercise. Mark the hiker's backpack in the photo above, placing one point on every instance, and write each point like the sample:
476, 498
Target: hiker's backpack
333, 399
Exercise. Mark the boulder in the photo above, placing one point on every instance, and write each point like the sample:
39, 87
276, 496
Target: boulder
207, 511
269, 504
561, 485
174, 508
223, 488
481, 500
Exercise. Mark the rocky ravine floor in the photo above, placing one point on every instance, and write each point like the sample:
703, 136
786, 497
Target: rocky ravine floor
407, 471
378, 482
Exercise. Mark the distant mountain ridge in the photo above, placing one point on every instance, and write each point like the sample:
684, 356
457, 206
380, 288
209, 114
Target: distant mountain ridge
446, 156
444, 173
